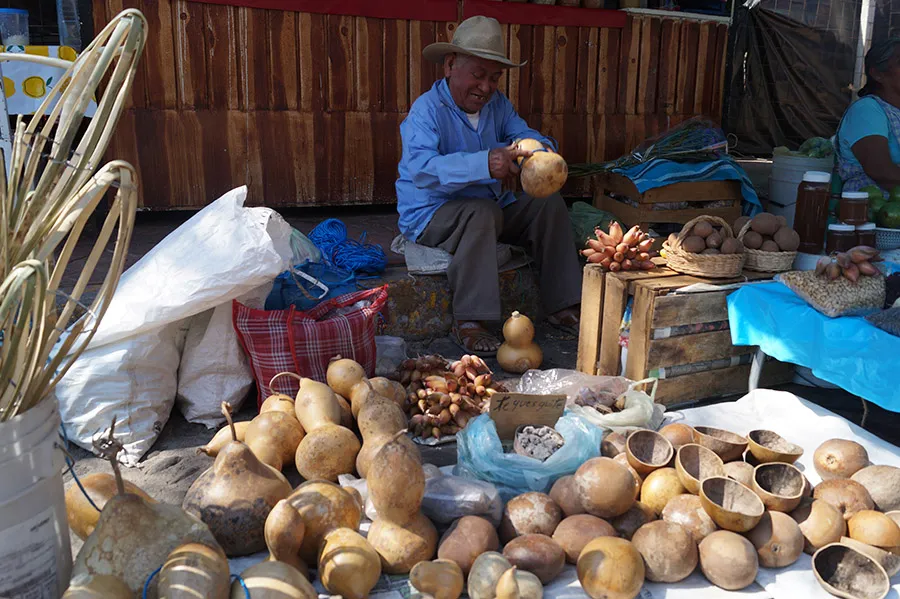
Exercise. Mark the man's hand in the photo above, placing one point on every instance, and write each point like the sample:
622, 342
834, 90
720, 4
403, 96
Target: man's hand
502, 162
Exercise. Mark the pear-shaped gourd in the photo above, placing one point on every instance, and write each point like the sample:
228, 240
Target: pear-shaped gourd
519, 353
195, 570
342, 374
544, 172
324, 506
315, 404
223, 437
100, 586
273, 437
133, 537
273, 580
396, 480
348, 565
101, 487
235, 496
284, 535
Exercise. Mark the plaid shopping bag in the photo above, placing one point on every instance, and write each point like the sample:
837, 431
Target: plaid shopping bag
304, 342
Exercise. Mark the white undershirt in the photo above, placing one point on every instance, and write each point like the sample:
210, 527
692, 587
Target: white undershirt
474, 118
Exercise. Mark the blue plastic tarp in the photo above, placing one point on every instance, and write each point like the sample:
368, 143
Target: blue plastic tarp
846, 351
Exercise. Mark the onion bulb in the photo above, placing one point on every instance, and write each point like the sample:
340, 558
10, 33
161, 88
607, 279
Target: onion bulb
519, 353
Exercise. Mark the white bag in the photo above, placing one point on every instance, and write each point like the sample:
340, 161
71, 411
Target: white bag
133, 380
213, 365
131, 366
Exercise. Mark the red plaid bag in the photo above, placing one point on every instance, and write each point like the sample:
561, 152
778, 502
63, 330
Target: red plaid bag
304, 342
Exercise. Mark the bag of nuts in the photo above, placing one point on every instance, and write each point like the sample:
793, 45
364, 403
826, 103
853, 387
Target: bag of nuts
840, 297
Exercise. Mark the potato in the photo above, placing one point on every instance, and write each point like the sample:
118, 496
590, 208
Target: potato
764, 224
739, 224
788, 240
529, 513
731, 246
694, 244
752, 240
402, 547
702, 229
538, 554
466, 539
710, 252
714, 241
769, 246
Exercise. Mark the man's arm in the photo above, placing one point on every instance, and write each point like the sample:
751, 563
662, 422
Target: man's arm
515, 127
429, 169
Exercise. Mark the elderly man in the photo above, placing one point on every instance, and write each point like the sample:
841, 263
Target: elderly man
455, 189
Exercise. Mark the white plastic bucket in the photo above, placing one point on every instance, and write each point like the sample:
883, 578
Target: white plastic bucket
35, 554
787, 173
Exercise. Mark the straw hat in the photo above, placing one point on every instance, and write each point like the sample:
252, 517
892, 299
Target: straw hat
476, 36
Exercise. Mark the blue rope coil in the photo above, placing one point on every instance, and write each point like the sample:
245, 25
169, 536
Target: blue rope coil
330, 236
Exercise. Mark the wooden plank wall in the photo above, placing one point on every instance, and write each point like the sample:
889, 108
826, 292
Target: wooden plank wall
305, 108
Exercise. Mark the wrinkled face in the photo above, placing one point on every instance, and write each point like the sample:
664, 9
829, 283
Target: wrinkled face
472, 80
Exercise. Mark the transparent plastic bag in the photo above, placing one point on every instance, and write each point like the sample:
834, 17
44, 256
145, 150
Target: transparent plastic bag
578, 387
640, 411
390, 353
481, 456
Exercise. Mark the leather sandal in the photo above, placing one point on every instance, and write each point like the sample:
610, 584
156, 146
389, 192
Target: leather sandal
467, 336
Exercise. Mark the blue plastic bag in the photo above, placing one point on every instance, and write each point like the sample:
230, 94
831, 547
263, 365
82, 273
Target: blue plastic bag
481, 456
308, 285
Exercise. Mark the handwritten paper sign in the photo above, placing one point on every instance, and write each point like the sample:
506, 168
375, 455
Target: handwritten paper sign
509, 411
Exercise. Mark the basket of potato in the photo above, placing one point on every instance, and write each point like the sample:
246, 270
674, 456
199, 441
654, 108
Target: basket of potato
770, 245
705, 247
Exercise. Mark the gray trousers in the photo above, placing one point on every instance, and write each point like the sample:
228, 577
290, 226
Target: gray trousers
470, 229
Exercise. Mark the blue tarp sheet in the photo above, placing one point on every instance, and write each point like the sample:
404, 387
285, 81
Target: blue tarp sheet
846, 351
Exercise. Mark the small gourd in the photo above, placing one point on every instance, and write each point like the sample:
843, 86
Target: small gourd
519, 353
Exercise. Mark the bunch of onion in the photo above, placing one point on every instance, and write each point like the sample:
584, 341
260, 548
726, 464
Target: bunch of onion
48, 191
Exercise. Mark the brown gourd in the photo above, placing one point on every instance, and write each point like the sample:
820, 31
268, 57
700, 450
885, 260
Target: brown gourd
101, 487
442, 579
323, 506
396, 480
519, 353
278, 403
273, 580
99, 586
402, 547
343, 374
544, 172
235, 495
328, 449
133, 536
195, 570
348, 566
223, 437
274, 436
284, 534
378, 422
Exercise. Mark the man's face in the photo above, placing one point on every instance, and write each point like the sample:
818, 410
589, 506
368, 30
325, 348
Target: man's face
472, 80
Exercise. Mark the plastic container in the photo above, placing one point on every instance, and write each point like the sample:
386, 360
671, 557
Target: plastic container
840, 238
787, 173
14, 27
865, 234
854, 208
33, 507
811, 216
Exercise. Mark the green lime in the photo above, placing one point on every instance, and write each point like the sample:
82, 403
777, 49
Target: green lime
895, 194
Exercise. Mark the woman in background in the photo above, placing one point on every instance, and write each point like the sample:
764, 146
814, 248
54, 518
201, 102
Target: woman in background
868, 138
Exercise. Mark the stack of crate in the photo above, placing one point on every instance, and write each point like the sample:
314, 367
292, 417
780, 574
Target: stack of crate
681, 338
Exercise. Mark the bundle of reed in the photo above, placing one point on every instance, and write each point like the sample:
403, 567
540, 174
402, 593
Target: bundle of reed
49, 190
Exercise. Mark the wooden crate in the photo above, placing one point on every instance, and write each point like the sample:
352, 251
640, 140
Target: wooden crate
608, 185
604, 299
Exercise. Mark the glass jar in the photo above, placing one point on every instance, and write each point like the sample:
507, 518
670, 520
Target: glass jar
865, 234
841, 238
811, 211
854, 207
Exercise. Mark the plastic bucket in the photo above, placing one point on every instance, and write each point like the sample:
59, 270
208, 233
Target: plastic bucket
787, 173
35, 555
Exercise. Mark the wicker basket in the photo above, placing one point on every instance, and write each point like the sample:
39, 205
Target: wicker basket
720, 266
887, 239
761, 261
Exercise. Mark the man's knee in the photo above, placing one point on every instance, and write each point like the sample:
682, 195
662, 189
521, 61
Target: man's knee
484, 211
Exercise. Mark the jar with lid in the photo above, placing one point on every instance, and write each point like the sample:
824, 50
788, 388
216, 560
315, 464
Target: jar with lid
841, 238
854, 208
811, 211
865, 234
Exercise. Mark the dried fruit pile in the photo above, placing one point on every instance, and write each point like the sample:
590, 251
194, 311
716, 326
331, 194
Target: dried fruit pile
851, 265
620, 251
443, 397
705, 239
768, 233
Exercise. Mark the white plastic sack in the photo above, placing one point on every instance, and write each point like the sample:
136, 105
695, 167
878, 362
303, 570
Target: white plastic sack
213, 365
640, 411
131, 366
133, 380
222, 252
